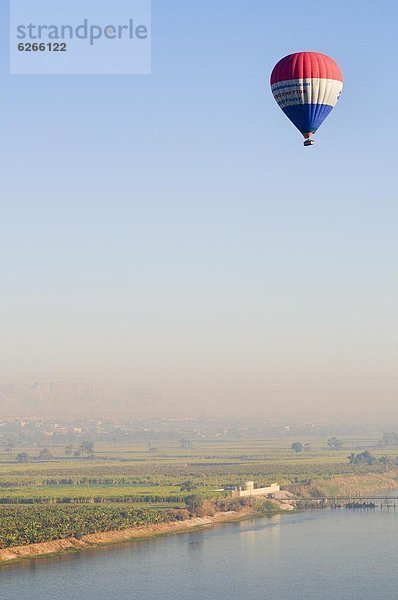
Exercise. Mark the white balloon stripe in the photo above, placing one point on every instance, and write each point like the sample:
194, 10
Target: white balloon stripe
307, 91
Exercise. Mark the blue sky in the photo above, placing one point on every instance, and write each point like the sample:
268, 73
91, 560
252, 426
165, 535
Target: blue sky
171, 232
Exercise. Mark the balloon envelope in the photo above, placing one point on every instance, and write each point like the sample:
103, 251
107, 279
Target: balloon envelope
307, 86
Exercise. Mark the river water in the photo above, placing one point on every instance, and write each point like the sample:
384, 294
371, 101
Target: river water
326, 554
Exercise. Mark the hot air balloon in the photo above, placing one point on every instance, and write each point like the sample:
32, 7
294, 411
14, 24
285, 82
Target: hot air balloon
307, 86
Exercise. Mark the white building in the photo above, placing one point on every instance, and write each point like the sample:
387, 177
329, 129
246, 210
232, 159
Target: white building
250, 490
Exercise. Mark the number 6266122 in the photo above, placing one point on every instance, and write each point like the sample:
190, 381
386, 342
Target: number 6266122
44, 47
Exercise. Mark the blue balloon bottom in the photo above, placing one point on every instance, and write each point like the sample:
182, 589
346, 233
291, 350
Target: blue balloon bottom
307, 117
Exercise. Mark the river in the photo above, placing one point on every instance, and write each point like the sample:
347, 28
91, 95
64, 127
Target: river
326, 554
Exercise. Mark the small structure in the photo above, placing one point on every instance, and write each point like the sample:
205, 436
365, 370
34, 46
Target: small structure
250, 490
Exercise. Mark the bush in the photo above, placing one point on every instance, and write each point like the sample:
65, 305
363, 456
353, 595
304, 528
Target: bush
297, 447
194, 503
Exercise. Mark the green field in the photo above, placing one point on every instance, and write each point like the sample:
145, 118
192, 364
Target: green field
136, 473
31, 525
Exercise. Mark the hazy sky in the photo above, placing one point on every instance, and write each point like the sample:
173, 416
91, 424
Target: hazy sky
170, 234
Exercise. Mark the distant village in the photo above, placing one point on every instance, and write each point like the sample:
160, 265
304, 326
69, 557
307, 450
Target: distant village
42, 431
67, 431
116, 430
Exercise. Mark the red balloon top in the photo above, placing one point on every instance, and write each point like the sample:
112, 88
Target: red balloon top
306, 65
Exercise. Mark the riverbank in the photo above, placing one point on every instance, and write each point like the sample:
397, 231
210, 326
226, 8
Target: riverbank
339, 485
18, 553
343, 485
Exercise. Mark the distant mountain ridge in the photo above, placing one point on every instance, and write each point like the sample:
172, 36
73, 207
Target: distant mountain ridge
86, 399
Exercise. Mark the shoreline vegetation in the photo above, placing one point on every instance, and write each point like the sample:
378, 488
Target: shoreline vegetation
347, 485
125, 535
207, 515
259, 508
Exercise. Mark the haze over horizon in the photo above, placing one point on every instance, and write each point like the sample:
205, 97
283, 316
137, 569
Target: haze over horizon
50, 399
168, 241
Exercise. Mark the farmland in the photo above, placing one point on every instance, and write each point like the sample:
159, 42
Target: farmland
52, 495
135, 474
21, 526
